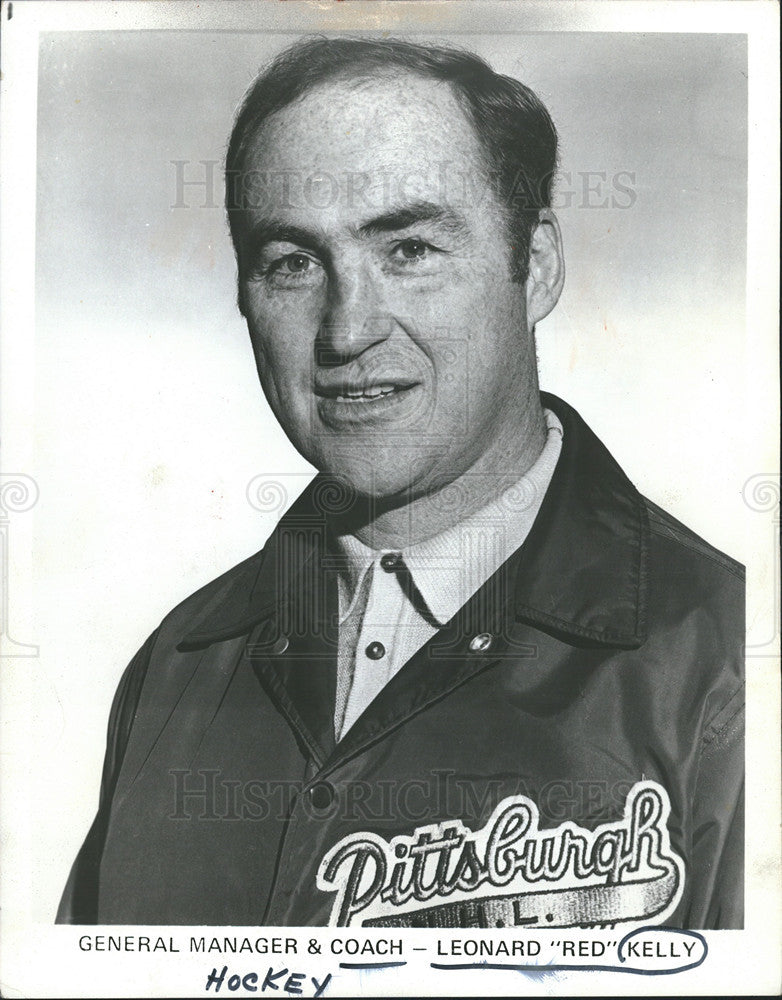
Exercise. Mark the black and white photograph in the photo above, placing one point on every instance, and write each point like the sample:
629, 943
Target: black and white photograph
390, 499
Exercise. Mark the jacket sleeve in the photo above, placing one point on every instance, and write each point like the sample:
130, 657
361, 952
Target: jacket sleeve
79, 903
717, 857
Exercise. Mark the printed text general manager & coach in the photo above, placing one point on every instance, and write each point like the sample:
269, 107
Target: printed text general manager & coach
474, 678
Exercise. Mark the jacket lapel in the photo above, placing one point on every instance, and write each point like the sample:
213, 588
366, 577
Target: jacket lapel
294, 656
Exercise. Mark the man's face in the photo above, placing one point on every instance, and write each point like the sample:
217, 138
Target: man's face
391, 340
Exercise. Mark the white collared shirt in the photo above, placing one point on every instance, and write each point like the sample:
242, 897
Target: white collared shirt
380, 628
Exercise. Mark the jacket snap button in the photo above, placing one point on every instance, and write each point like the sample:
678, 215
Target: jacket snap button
480, 643
391, 561
322, 795
376, 651
280, 645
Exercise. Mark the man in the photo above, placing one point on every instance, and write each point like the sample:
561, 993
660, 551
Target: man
473, 678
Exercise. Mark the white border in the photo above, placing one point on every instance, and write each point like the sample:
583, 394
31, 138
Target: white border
44, 961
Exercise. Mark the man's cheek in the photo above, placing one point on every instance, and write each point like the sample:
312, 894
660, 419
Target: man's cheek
281, 379
284, 343
453, 364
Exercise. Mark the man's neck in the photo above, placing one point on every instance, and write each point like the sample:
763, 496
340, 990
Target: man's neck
399, 523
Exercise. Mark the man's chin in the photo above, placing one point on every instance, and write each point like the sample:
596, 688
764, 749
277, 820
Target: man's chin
373, 484
369, 480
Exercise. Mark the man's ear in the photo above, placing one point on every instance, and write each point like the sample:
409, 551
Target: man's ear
546, 268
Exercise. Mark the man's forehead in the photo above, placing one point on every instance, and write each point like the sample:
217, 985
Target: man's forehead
352, 123
368, 145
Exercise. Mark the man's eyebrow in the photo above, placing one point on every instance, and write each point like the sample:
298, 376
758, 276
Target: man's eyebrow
406, 216
265, 231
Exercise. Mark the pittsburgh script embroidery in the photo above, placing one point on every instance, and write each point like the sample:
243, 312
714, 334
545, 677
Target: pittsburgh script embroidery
510, 873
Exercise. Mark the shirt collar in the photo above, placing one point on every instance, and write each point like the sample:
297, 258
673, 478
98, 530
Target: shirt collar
450, 567
354, 560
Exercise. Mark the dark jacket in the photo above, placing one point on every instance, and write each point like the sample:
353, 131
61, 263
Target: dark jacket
583, 768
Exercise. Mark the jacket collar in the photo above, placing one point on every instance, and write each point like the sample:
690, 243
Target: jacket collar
581, 573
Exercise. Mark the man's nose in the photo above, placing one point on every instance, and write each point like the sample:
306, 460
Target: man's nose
355, 320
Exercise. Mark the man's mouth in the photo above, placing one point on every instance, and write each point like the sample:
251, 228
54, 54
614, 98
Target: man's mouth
358, 394
371, 392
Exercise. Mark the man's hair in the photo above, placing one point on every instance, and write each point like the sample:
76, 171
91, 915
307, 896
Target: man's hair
514, 130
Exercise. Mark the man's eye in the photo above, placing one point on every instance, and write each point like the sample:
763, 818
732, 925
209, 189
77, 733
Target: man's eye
412, 249
292, 269
293, 263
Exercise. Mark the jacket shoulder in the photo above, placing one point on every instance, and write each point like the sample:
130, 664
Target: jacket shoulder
664, 527
228, 589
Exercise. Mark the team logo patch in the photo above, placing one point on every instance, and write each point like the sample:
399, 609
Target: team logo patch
510, 873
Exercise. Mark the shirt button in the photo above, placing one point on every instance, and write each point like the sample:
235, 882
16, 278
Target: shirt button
391, 561
480, 643
376, 650
322, 795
